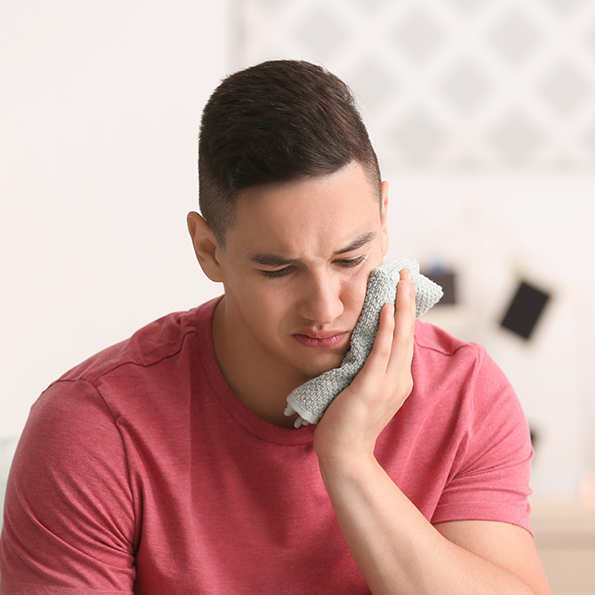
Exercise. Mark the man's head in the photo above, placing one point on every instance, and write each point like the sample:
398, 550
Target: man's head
294, 221
278, 121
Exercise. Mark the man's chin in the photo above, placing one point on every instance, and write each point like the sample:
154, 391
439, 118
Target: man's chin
314, 369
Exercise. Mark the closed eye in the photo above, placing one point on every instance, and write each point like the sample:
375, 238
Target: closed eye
278, 273
351, 262
344, 263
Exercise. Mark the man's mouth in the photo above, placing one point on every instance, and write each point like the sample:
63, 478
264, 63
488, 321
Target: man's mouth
321, 339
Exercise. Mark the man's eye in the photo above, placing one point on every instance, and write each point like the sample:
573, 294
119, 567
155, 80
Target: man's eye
351, 262
276, 274
345, 263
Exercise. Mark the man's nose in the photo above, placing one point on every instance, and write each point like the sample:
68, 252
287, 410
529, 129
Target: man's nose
320, 299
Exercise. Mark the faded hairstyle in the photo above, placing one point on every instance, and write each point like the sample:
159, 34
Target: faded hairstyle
278, 121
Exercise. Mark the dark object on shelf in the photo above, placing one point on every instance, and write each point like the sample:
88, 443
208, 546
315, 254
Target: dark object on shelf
525, 310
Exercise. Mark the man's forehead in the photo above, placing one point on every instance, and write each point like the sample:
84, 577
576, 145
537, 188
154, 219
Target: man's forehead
328, 214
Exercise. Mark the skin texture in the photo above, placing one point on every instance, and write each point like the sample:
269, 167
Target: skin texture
295, 268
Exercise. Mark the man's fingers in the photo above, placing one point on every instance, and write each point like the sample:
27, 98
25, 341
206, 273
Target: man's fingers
392, 351
375, 366
404, 328
383, 343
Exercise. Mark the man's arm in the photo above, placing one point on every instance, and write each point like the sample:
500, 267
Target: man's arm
397, 549
69, 512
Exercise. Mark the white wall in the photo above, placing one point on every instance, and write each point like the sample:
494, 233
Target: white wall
99, 109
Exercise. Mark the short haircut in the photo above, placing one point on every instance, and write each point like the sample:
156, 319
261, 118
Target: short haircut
278, 121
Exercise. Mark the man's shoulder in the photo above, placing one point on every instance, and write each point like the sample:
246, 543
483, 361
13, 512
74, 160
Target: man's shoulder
440, 355
161, 339
433, 339
443, 361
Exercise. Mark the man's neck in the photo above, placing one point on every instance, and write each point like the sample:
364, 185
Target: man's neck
257, 379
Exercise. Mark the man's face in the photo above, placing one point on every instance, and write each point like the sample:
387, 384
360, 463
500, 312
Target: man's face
296, 265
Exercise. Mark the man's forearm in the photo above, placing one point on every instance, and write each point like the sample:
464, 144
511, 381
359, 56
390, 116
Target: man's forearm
394, 545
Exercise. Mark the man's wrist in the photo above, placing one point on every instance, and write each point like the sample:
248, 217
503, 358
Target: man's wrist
347, 467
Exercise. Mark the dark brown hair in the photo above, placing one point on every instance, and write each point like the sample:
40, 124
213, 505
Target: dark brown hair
278, 121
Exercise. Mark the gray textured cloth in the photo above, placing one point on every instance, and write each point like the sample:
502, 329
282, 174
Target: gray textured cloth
311, 399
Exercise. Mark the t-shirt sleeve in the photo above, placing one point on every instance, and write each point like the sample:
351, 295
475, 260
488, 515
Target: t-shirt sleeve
490, 476
69, 522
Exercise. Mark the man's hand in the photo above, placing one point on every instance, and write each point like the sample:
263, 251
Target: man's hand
351, 424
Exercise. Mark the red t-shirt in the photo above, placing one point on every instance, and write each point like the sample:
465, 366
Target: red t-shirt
140, 471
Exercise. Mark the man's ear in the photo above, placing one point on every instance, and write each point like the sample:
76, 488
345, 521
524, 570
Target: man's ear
384, 217
206, 246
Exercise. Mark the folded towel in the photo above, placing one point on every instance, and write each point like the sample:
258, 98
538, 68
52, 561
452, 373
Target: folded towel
311, 399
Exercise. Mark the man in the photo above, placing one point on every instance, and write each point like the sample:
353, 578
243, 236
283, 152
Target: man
165, 464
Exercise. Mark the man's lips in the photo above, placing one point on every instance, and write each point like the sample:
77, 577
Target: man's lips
322, 339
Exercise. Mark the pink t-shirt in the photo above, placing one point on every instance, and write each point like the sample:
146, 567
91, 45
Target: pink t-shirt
140, 471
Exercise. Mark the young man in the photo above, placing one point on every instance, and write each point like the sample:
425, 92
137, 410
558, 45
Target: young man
165, 464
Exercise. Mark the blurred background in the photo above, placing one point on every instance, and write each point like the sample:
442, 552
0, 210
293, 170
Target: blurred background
483, 116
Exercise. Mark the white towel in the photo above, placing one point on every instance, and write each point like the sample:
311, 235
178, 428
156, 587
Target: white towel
311, 399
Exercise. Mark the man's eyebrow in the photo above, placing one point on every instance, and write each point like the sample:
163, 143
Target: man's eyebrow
276, 260
272, 260
359, 242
